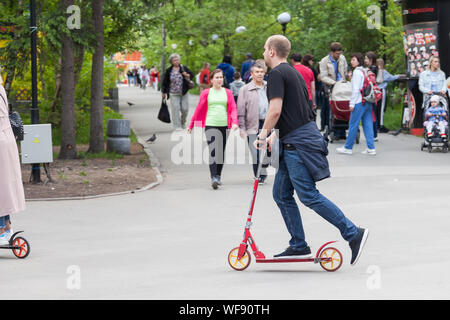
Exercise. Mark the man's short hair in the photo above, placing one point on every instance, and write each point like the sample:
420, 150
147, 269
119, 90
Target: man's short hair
280, 44
335, 46
297, 57
259, 64
227, 59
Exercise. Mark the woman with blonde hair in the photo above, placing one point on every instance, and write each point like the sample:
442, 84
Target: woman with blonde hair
432, 80
216, 112
12, 197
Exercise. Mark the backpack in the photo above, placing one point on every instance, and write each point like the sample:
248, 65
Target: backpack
225, 80
247, 75
197, 78
370, 92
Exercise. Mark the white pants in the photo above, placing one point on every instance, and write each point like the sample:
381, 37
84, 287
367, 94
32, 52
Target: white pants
441, 125
180, 107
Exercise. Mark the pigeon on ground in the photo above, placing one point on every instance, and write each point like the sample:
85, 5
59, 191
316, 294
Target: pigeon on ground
130, 103
152, 138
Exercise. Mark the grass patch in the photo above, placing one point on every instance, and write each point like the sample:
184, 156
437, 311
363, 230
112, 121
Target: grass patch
393, 117
100, 155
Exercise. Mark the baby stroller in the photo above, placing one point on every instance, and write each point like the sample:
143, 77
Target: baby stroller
435, 140
339, 110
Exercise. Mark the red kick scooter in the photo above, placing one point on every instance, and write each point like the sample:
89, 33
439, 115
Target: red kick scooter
239, 258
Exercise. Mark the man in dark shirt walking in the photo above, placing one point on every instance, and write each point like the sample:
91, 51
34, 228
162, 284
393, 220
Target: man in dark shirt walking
303, 153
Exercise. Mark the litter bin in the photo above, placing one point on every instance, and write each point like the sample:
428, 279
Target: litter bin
118, 132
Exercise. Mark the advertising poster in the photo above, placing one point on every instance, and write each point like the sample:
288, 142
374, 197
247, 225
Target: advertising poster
420, 44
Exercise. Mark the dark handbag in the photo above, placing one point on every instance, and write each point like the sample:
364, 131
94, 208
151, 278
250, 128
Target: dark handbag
164, 114
16, 123
190, 84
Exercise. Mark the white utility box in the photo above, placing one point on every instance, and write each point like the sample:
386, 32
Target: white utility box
36, 146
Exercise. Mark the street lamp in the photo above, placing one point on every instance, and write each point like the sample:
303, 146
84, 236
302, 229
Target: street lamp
174, 46
283, 19
214, 38
36, 168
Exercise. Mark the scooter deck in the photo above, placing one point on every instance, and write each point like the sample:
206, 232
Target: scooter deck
290, 260
9, 247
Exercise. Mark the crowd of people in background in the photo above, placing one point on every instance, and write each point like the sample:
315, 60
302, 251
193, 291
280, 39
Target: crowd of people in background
247, 87
143, 77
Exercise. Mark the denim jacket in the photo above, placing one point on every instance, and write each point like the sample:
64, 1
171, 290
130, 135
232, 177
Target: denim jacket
312, 149
425, 81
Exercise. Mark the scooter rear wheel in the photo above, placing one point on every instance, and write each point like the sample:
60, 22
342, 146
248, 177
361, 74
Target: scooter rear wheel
238, 264
23, 249
334, 259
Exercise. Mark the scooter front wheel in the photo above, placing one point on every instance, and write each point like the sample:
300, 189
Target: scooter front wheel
238, 264
330, 259
21, 247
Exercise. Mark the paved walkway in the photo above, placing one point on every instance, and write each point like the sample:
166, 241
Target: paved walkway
172, 242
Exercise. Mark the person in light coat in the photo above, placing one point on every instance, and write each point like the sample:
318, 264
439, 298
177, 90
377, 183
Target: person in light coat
252, 106
432, 80
12, 197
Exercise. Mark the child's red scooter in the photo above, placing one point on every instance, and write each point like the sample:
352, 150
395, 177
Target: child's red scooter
239, 259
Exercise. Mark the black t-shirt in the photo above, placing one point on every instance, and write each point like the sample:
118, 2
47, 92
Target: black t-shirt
287, 83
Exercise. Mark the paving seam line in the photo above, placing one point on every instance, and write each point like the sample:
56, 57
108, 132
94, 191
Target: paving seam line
159, 177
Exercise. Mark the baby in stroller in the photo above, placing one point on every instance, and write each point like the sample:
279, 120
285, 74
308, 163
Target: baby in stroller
436, 123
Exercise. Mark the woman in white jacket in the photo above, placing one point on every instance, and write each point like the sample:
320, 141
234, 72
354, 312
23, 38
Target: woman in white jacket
361, 110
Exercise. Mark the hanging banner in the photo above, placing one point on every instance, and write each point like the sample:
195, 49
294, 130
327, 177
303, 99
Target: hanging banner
420, 42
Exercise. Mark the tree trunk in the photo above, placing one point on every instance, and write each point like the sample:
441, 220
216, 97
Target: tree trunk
79, 59
96, 141
68, 136
56, 96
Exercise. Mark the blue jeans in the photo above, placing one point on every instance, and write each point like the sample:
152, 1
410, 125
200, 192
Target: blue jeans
362, 112
3, 221
293, 175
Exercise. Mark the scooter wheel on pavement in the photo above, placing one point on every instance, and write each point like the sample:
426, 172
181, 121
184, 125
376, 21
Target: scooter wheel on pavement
238, 264
333, 259
23, 247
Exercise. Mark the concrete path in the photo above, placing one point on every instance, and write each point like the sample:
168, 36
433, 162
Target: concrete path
172, 242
